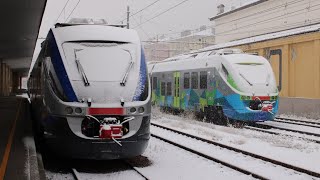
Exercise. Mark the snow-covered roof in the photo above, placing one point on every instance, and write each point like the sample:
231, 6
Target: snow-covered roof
206, 32
280, 34
243, 6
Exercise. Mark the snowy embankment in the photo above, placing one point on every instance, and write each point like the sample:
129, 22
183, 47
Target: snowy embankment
288, 149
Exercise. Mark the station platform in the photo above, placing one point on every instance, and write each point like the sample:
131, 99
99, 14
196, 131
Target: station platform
18, 154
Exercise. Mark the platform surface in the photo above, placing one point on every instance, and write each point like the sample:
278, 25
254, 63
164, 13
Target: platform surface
17, 148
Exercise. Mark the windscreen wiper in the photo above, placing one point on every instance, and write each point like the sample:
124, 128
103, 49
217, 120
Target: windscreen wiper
246, 79
80, 68
125, 77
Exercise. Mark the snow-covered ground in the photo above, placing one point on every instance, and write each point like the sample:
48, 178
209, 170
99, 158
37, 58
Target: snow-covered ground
295, 151
170, 162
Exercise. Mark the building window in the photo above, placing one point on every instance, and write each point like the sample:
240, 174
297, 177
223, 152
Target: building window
169, 89
203, 80
194, 80
163, 88
154, 83
186, 80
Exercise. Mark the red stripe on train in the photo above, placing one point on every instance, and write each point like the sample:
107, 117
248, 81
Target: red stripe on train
106, 111
262, 98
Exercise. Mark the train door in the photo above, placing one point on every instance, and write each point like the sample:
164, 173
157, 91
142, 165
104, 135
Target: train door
276, 64
176, 98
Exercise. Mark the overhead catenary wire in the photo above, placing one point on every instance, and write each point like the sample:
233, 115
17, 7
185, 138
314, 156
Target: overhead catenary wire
146, 7
63, 9
163, 12
73, 10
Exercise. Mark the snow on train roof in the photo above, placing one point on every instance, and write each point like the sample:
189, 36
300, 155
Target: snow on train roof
203, 62
95, 33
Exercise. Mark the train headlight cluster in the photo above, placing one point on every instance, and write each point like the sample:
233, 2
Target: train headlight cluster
141, 109
78, 110
134, 110
69, 110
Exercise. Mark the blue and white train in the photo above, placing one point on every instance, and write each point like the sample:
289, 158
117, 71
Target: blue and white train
90, 95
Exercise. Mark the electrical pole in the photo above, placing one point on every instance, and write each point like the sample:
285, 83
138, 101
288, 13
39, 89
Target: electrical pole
128, 16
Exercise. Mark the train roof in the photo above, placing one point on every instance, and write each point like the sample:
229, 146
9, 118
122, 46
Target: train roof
95, 33
208, 60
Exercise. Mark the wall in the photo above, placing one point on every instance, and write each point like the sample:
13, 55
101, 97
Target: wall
5, 80
270, 16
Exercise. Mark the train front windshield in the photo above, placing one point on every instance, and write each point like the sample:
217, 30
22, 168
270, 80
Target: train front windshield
98, 62
253, 73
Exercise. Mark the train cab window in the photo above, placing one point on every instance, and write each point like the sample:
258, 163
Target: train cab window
203, 80
163, 88
225, 71
154, 83
169, 89
194, 80
186, 80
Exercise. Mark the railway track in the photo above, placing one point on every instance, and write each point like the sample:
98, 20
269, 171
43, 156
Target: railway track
77, 175
297, 122
210, 158
280, 134
255, 156
268, 126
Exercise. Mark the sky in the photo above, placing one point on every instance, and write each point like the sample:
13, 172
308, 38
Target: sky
155, 20
190, 14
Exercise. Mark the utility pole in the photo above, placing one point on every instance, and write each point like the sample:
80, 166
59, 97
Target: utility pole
128, 16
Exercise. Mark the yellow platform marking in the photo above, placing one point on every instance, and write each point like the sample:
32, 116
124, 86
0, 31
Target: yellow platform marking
5, 158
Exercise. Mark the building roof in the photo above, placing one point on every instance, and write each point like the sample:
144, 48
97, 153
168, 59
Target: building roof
265, 37
244, 6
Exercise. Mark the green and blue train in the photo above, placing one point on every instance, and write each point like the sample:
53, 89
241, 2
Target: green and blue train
217, 85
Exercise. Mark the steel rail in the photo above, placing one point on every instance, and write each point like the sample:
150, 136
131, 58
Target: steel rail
277, 133
298, 120
136, 170
75, 174
210, 158
265, 126
273, 161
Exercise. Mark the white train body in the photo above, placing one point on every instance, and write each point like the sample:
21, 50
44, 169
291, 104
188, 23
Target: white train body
92, 77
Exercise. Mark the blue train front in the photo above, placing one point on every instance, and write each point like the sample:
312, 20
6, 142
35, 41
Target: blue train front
246, 88
90, 92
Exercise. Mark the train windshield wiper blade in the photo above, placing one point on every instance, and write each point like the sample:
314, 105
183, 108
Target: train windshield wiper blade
125, 77
80, 68
246, 79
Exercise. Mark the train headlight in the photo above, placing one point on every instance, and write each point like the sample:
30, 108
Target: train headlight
133, 110
141, 109
78, 110
68, 110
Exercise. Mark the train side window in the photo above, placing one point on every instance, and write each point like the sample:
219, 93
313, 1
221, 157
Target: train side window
186, 80
194, 80
203, 80
169, 89
163, 88
154, 83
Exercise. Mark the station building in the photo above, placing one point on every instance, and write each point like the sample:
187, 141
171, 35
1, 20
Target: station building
287, 33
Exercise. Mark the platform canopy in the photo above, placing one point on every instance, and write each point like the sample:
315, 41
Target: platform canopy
21, 20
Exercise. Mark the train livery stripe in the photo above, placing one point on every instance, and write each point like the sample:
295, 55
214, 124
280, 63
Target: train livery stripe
60, 69
106, 111
142, 78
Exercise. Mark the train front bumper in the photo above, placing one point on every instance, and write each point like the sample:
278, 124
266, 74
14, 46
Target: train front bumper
64, 142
